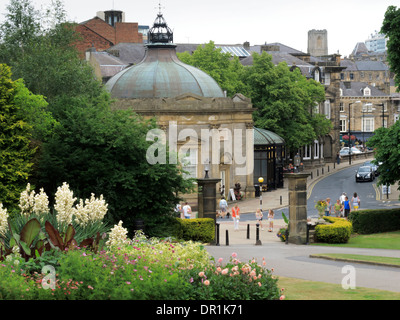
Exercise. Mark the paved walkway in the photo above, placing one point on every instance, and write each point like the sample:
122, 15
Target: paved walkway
294, 260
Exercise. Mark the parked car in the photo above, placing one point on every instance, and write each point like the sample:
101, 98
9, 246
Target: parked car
374, 167
345, 151
365, 173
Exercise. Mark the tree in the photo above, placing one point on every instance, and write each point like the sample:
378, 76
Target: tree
15, 152
43, 54
102, 151
220, 66
285, 101
391, 29
386, 142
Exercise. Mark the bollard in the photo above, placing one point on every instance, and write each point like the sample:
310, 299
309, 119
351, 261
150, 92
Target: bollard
328, 168
227, 237
258, 241
217, 236
311, 175
248, 231
280, 200
317, 172
322, 169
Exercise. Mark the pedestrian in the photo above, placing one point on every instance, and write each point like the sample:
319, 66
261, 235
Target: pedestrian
342, 197
270, 220
259, 217
328, 208
347, 207
187, 210
355, 201
236, 217
338, 157
223, 206
338, 207
178, 210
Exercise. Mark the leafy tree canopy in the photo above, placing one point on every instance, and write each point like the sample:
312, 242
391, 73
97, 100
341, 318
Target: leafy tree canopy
391, 29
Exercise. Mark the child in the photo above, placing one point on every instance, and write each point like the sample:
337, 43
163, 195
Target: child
259, 216
271, 220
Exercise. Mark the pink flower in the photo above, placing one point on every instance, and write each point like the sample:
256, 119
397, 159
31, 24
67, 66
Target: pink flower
128, 282
207, 282
259, 284
225, 271
220, 260
234, 255
90, 287
201, 274
282, 297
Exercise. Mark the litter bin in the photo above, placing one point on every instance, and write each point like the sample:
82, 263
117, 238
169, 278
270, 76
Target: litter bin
257, 188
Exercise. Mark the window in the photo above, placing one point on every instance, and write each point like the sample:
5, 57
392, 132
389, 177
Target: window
351, 76
341, 107
367, 91
189, 163
327, 109
342, 125
368, 124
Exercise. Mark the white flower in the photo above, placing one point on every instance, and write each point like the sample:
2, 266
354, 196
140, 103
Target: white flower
117, 236
91, 211
41, 204
3, 219
64, 202
27, 200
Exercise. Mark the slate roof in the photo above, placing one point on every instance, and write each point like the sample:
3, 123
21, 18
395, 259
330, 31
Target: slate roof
355, 89
371, 66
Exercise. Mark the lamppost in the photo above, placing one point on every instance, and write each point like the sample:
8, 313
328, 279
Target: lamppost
261, 180
383, 113
350, 129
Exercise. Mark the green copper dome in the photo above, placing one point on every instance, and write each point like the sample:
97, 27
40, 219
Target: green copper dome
161, 74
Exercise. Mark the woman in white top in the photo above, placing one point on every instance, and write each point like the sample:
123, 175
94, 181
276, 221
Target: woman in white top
355, 201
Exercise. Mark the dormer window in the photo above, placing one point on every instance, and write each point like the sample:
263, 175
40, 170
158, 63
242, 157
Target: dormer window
367, 91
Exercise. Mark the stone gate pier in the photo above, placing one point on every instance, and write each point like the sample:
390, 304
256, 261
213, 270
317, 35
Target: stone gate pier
297, 186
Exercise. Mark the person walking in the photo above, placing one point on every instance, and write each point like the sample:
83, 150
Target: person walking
342, 197
338, 157
355, 201
337, 207
328, 208
236, 217
346, 207
187, 210
223, 206
270, 220
259, 217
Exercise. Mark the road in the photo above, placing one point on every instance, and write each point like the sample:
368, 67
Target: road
332, 186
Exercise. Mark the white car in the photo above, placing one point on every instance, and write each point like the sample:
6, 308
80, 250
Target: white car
345, 150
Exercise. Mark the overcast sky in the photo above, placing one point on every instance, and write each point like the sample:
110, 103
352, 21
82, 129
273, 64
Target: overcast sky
256, 21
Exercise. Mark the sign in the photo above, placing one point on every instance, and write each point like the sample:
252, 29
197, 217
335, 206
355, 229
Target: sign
385, 189
232, 194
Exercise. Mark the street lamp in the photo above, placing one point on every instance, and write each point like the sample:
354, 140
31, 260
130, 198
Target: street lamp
383, 113
350, 129
261, 180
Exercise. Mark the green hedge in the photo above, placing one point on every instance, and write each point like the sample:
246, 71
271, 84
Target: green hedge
375, 221
202, 229
339, 231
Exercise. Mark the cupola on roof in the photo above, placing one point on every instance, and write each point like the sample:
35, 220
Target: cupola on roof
161, 74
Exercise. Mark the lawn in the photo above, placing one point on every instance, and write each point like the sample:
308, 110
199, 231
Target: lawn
298, 289
386, 240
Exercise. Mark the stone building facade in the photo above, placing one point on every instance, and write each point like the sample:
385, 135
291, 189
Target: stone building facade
207, 130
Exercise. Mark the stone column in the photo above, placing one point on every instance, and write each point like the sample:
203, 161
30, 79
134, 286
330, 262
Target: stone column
297, 185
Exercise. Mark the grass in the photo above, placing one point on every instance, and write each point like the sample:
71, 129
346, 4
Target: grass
360, 258
298, 289
386, 240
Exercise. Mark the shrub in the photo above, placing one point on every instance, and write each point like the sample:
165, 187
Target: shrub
339, 231
202, 229
375, 221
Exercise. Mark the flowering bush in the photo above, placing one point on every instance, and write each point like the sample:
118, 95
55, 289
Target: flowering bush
321, 205
148, 269
282, 234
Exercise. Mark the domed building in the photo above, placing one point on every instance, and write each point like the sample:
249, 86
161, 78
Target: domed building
208, 130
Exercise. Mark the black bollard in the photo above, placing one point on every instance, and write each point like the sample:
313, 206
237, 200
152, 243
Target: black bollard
227, 237
281, 200
217, 235
248, 231
258, 241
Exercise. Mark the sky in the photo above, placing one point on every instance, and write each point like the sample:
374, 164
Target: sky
257, 21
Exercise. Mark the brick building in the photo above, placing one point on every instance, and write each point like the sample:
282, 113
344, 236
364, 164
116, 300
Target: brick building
105, 30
